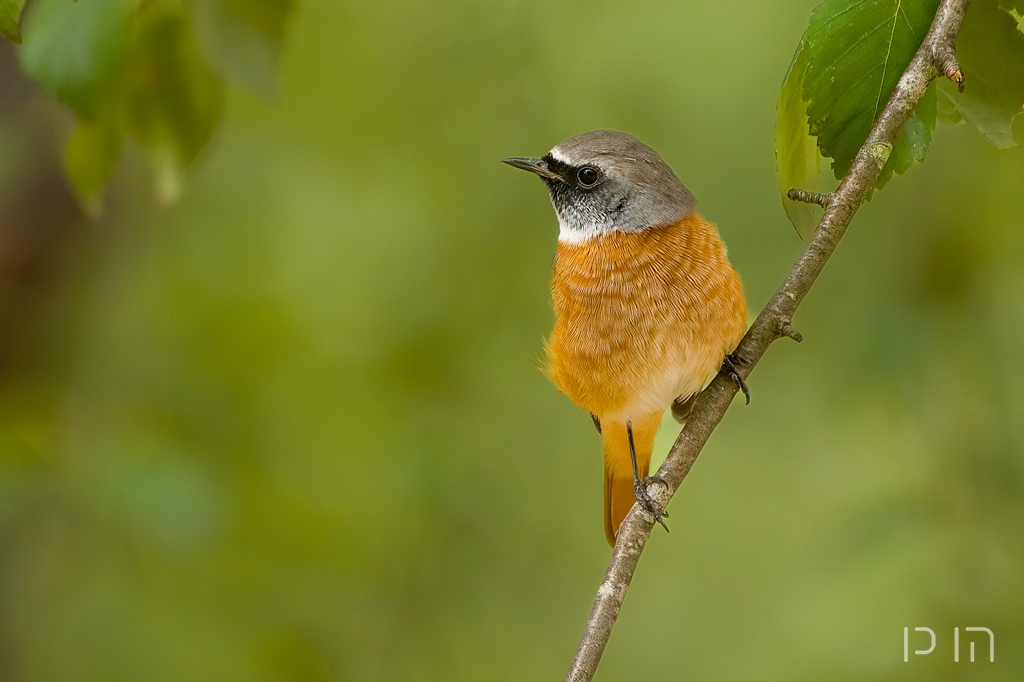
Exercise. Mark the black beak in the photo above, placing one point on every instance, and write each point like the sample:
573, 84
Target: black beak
538, 166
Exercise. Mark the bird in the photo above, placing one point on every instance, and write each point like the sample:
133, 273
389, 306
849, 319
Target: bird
647, 305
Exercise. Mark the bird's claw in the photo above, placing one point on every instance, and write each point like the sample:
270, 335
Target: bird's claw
645, 501
729, 367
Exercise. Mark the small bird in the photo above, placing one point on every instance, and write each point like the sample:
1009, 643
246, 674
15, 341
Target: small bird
647, 305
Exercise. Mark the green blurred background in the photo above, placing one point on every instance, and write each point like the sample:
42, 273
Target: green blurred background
291, 427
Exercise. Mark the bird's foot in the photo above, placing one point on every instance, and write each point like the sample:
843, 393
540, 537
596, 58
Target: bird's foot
645, 501
729, 367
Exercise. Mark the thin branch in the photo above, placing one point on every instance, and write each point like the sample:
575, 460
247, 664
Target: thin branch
935, 57
809, 197
946, 59
786, 329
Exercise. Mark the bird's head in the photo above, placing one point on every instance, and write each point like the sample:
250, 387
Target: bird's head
605, 181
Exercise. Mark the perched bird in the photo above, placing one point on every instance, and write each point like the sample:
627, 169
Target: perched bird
647, 305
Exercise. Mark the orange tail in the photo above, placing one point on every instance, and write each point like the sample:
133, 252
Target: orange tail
618, 467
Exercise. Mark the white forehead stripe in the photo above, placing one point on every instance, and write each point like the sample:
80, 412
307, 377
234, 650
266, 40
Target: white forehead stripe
559, 156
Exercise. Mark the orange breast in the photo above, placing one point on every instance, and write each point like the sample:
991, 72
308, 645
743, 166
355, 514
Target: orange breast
643, 317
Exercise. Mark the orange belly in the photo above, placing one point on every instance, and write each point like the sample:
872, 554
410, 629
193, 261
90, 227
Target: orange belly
642, 318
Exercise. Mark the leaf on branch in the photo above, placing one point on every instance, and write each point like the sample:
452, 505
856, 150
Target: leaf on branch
850, 59
797, 161
10, 14
242, 38
858, 49
991, 52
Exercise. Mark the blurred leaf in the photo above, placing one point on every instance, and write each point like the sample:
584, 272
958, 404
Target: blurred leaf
10, 13
991, 52
89, 159
1016, 5
947, 112
174, 98
857, 51
75, 49
797, 161
242, 38
154, 71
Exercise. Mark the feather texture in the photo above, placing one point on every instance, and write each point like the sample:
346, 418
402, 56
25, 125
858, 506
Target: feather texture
641, 319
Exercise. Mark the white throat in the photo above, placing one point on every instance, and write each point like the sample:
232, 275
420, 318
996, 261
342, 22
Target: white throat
572, 231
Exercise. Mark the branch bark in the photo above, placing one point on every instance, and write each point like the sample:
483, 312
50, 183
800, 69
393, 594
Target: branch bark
936, 57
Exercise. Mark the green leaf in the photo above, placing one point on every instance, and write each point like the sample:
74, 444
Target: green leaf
857, 51
10, 13
946, 104
797, 162
76, 49
847, 66
174, 99
89, 159
991, 52
242, 38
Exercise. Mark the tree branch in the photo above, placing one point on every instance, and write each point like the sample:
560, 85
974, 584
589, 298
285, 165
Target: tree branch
936, 57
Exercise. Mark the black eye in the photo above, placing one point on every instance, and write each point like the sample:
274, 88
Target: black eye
587, 176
